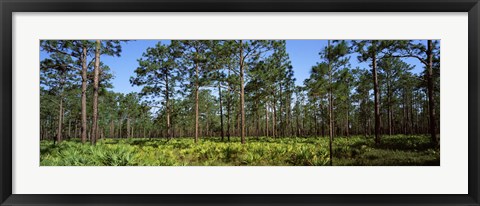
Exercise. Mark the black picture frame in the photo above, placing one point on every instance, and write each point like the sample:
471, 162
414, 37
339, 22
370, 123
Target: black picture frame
7, 8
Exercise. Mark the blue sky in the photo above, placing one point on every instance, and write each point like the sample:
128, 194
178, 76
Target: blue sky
303, 55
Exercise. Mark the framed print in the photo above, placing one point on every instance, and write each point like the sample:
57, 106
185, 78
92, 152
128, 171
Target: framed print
251, 103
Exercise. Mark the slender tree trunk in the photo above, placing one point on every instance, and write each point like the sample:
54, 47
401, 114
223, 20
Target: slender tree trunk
348, 123
112, 129
60, 121
266, 119
405, 115
221, 110
229, 99
282, 126
120, 122
84, 94
389, 99
330, 105
172, 123
76, 129
274, 118
316, 130
94, 137
348, 111
257, 119
167, 105
376, 94
207, 125
238, 120
228, 118
412, 115
69, 128
196, 102
132, 131
290, 118
128, 127
431, 100
242, 93
303, 120
298, 125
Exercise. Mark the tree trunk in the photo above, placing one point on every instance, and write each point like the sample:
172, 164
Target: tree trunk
282, 126
221, 110
298, 124
348, 111
196, 102
120, 122
274, 118
431, 100
69, 128
112, 129
132, 130
207, 123
290, 118
238, 120
348, 123
84, 94
315, 121
167, 106
60, 121
257, 119
76, 129
389, 108
228, 118
144, 132
94, 137
266, 119
330, 105
376, 94
242, 93
172, 124
229, 97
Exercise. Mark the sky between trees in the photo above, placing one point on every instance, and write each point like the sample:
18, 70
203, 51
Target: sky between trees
303, 55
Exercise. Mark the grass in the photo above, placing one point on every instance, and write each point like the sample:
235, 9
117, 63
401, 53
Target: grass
393, 151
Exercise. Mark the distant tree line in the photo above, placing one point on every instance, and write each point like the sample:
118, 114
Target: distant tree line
244, 88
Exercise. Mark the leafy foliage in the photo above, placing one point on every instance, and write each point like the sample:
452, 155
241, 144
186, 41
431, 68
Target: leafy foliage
395, 150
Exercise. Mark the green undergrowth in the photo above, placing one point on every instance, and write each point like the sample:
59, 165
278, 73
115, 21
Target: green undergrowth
263, 151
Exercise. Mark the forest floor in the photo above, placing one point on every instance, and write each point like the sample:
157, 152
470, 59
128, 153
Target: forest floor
398, 150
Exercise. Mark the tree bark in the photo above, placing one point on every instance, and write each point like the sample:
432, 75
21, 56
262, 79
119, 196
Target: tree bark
242, 94
274, 118
348, 123
229, 97
84, 94
69, 128
257, 119
112, 129
76, 129
389, 100
348, 110
266, 119
120, 122
282, 126
221, 110
431, 100
167, 106
196, 102
60, 121
128, 127
94, 137
298, 123
330, 105
376, 94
